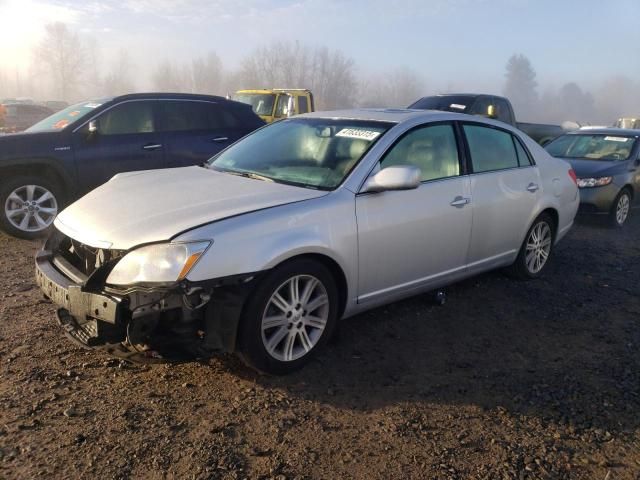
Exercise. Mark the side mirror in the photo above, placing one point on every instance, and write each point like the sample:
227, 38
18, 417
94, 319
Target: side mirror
93, 127
398, 177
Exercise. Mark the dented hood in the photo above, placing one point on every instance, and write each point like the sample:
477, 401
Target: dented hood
155, 205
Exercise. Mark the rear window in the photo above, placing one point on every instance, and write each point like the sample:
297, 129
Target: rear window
447, 103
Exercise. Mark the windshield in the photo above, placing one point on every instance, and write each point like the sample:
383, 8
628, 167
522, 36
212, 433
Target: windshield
592, 147
61, 119
262, 103
309, 152
446, 103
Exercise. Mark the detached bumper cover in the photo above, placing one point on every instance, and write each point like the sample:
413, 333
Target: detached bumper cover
88, 318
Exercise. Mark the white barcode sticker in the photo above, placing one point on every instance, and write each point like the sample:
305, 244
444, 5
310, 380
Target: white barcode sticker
358, 133
617, 139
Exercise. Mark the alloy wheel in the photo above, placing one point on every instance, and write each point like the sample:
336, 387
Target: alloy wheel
295, 318
31, 208
622, 209
538, 247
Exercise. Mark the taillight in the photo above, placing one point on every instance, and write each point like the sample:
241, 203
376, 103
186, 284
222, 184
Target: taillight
572, 174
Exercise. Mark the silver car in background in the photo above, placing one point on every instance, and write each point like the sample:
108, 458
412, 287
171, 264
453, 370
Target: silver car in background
301, 223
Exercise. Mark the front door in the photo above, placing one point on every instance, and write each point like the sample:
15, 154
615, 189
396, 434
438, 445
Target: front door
415, 239
126, 140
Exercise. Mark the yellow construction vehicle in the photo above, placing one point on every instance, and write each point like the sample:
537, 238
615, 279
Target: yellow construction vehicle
276, 103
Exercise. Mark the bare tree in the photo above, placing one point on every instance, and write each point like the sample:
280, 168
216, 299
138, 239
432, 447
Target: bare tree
168, 77
617, 97
93, 77
398, 88
119, 80
207, 74
520, 86
63, 54
329, 74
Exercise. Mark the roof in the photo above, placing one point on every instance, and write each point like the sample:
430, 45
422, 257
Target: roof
395, 115
634, 132
153, 95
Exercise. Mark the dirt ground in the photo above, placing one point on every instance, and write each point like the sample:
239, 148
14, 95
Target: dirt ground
514, 380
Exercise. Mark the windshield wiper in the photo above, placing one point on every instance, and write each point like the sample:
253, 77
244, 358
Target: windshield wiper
255, 176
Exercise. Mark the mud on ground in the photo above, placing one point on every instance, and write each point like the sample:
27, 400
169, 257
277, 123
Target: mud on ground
509, 379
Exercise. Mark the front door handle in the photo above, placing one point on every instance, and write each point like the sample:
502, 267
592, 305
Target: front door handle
220, 139
533, 187
152, 146
460, 202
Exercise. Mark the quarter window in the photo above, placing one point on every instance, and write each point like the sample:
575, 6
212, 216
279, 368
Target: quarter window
432, 149
523, 157
490, 148
129, 117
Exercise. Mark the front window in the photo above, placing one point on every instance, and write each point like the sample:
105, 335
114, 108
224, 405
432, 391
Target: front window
128, 118
282, 106
314, 153
432, 149
61, 119
592, 146
262, 103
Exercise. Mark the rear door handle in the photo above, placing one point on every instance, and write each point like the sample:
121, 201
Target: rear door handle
152, 146
220, 139
460, 202
533, 187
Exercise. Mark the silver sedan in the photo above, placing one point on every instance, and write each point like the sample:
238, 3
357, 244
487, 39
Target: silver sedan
303, 222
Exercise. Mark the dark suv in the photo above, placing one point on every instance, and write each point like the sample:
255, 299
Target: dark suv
79, 148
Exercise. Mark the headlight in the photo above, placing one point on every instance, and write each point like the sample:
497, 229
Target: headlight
594, 182
161, 263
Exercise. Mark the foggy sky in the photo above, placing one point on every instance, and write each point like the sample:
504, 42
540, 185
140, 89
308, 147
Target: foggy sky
451, 44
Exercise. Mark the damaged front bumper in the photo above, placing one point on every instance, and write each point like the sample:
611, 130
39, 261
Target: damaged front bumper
179, 321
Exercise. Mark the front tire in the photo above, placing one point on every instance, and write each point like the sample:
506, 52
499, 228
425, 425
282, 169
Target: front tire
536, 249
29, 206
620, 209
289, 317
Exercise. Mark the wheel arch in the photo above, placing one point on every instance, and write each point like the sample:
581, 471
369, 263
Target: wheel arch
39, 167
555, 216
334, 268
630, 189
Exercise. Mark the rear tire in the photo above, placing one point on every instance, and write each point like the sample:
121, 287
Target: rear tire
29, 205
536, 249
621, 209
289, 317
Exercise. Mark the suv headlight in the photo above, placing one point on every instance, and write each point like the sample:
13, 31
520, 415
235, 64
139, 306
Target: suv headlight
594, 182
159, 263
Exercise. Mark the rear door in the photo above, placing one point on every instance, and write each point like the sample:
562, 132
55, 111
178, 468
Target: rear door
195, 130
505, 185
412, 239
126, 140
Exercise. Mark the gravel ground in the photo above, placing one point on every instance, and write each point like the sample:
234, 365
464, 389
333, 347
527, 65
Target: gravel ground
509, 379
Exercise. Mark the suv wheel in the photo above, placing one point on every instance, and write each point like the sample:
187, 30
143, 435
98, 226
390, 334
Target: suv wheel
621, 208
29, 206
289, 317
536, 248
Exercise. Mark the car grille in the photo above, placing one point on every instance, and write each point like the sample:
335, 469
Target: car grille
84, 258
